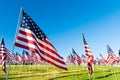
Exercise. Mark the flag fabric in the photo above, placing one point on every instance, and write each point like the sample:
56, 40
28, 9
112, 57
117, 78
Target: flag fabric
31, 37
18, 58
84, 60
35, 58
111, 58
89, 55
9, 56
76, 57
71, 59
68, 59
26, 57
102, 59
2, 51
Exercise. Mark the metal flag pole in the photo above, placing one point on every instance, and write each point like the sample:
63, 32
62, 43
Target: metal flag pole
18, 24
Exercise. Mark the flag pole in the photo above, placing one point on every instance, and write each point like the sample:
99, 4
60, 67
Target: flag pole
18, 24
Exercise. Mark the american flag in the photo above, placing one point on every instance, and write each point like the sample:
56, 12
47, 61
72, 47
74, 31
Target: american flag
3, 51
68, 59
76, 57
36, 58
18, 58
31, 37
10, 57
71, 59
102, 59
112, 58
89, 56
26, 56
84, 59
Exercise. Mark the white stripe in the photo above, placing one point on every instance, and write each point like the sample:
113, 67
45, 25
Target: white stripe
24, 43
88, 50
3, 57
86, 46
2, 51
89, 53
3, 63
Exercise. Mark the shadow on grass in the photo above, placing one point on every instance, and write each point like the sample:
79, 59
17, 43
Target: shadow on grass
2, 78
20, 77
100, 77
64, 76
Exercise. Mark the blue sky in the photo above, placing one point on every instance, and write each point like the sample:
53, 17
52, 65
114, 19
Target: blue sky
64, 20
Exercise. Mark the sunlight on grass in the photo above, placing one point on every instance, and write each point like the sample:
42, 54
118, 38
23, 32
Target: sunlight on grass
43, 72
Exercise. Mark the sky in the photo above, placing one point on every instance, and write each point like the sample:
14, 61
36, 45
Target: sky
63, 21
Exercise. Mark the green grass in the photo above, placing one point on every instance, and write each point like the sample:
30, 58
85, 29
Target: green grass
48, 72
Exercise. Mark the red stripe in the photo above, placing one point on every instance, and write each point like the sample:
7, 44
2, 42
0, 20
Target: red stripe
26, 40
26, 47
90, 68
86, 47
87, 51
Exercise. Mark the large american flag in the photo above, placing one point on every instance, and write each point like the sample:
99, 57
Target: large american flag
3, 51
89, 56
31, 37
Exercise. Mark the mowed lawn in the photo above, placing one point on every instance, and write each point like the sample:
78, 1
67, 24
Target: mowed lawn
49, 72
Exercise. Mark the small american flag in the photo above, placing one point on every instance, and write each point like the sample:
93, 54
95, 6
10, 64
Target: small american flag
2, 51
76, 57
18, 58
26, 56
31, 37
89, 55
112, 58
102, 59
84, 60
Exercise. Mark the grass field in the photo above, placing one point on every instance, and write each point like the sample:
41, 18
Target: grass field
48, 72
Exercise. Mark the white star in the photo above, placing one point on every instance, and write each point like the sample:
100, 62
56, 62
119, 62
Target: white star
23, 21
23, 17
26, 24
